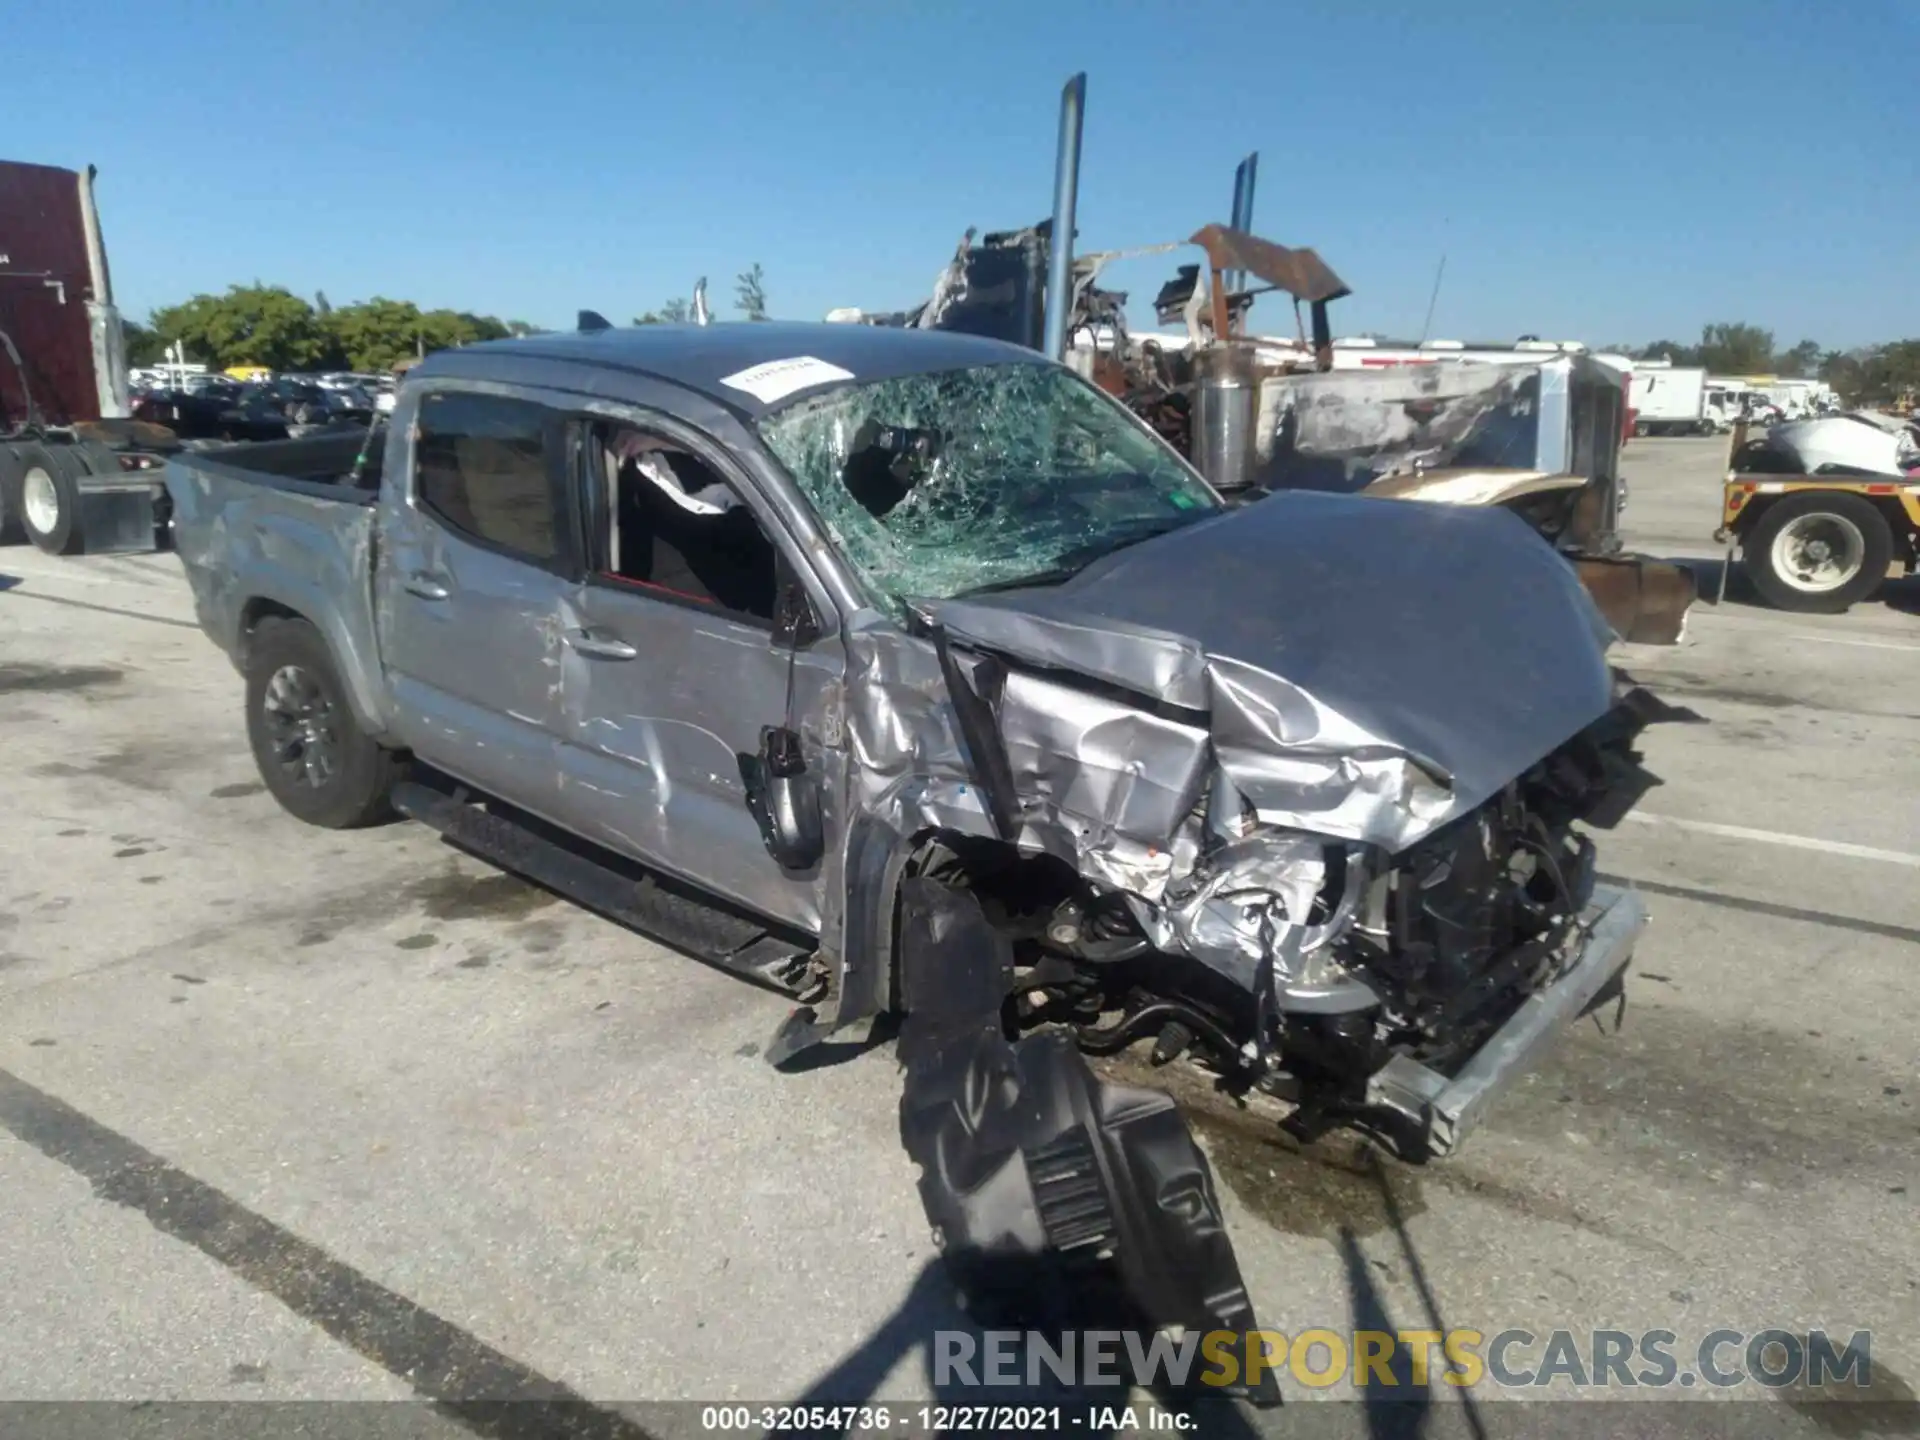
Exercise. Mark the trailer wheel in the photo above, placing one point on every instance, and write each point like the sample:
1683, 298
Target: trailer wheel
50, 500
1817, 552
311, 752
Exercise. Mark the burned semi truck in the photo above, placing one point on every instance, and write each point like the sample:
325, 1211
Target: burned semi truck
77, 473
1258, 415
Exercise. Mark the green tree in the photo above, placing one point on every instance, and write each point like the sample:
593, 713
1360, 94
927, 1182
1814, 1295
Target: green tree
1734, 349
444, 329
1890, 374
1845, 371
144, 344
1875, 376
675, 312
520, 327
1803, 360
373, 334
249, 325
750, 293
1667, 350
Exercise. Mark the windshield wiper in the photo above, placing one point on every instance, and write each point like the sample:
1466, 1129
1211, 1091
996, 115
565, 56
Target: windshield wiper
1084, 555
1053, 575
1072, 562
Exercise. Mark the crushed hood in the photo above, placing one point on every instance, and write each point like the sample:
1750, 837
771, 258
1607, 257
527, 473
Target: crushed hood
1362, 668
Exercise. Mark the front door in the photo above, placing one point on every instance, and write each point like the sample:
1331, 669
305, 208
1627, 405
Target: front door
472, 572
672, 671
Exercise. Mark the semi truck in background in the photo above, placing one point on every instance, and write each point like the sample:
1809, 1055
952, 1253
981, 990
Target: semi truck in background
76, 472
1673, 400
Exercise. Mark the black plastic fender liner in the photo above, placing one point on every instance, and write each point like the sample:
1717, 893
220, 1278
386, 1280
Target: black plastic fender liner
1058, 1201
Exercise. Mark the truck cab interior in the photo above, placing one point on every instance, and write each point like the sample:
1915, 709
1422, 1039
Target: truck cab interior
675, 527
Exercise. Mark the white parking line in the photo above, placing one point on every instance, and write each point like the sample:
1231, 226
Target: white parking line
1842, 640
1775, 837
1748, 622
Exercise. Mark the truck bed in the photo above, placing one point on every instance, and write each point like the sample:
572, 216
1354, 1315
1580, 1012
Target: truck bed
321, 465
280, 528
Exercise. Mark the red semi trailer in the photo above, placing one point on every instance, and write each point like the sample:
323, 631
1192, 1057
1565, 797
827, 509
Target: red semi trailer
76, 472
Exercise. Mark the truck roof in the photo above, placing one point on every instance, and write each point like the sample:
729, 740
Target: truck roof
703, 358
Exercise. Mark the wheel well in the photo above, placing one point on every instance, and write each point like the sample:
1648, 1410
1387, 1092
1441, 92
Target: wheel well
1017, 891
257, 610
1752, 513
1906, 539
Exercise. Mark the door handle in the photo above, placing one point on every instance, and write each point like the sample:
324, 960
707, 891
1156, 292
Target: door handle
598, 647
425, 586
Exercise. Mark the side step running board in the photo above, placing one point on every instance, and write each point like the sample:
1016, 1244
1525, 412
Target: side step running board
670, 913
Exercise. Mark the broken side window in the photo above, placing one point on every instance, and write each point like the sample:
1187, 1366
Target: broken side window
676, 528
984, 478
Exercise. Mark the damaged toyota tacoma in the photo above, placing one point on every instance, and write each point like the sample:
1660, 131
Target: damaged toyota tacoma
907, 673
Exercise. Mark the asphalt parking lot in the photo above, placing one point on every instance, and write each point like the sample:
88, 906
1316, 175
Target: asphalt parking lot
294, 1114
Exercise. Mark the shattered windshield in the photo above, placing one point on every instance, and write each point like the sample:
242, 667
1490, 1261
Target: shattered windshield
939, 484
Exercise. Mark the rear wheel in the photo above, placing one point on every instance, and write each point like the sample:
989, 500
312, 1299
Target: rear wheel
50, 499
312, 754
1816, 552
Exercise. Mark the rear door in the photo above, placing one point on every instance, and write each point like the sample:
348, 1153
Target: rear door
473, 567
672, 670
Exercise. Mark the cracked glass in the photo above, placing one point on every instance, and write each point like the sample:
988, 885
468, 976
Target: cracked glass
984, 478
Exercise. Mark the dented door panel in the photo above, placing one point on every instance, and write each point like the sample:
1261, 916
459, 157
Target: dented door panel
652, 746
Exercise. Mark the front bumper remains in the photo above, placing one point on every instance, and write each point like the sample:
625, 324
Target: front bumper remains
1446, 1109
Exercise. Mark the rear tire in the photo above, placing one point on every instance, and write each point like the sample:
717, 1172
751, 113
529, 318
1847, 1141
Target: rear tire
1817, 553
311, 752
50, 499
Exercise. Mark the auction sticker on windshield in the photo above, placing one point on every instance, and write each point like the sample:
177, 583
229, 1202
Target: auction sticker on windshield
777, 379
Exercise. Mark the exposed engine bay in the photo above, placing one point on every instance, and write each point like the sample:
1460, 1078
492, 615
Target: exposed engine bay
1394, 992
1302, 965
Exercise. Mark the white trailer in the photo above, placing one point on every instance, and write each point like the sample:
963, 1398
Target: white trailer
1727, 399
1671, 400
1796, 398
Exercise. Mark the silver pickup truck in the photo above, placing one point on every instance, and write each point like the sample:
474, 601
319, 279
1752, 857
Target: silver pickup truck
907, 673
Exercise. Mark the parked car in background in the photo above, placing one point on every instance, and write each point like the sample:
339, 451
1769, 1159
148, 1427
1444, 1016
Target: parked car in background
212, 413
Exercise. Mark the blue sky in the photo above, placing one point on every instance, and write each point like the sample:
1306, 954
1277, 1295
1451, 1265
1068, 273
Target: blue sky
1625, 171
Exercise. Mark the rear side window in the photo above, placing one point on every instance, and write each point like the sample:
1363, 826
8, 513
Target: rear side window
481, 467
